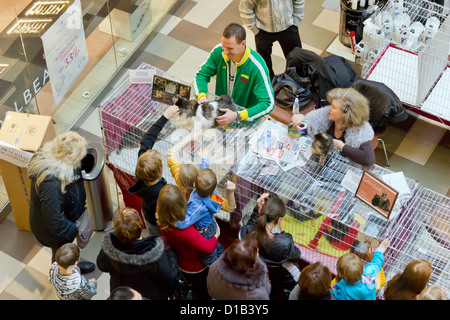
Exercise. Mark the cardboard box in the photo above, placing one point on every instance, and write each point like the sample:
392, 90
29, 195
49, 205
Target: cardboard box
21, 135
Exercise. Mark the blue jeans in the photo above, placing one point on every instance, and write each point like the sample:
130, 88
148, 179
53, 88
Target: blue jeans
208, 233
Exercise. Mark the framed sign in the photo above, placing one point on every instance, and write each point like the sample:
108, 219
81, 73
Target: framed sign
164, 90
376, 194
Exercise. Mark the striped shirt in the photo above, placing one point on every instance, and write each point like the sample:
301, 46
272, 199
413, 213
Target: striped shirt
71, 287
271, 15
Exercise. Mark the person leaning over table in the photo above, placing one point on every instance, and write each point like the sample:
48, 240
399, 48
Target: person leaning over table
346, 120
240, 73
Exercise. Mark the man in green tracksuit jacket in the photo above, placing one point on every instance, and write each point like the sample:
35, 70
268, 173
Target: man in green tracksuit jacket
240, 73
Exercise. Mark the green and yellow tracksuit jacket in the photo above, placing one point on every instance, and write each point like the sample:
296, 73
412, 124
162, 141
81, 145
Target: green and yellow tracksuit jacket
252, 87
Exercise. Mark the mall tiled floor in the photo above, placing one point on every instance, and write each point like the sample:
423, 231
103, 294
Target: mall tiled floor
180, 47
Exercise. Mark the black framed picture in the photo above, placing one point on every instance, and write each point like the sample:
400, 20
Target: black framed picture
164, 90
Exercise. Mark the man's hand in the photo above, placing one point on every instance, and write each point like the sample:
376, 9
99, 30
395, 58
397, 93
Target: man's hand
202, 100
226, 118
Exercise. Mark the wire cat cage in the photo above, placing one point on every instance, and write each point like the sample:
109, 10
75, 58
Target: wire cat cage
128, 112
325, 219
406, 45
423, 233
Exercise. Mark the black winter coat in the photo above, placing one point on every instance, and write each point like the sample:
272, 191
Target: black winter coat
53, 213
144, 265
149, 194
282, 257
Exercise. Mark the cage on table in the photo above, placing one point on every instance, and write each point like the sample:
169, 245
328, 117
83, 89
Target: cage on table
422, 233
325, 219
411, 54
129, 111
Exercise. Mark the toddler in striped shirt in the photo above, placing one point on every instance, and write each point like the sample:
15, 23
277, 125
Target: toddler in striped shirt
66, 278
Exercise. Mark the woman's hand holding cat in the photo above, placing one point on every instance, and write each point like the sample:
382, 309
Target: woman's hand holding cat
297, 119
172, 112
228, 117
338, 144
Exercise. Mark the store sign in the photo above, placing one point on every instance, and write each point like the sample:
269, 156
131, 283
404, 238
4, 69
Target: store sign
65, 50
27, 94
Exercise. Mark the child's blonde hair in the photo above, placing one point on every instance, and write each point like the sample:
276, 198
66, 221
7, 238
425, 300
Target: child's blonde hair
187, 175
349, 267
432, 293
171, 206
206, 182
149, 166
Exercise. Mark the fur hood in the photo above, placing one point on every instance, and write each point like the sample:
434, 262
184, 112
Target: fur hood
256, 279
318, 119
140, 253
46, 165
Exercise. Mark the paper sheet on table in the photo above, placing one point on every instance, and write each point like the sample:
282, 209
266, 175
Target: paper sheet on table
351, 181
397, 181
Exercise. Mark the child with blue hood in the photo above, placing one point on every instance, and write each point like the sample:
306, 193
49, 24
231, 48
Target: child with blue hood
204, 202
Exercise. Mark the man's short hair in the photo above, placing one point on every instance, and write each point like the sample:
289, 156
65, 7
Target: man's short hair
236, 30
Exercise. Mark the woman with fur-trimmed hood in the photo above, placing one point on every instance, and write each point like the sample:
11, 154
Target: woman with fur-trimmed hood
58, 196
131, 260
239, 273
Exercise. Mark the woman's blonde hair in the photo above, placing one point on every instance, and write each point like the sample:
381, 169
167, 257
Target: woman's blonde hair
355, 106
59, 157
350, 268
187, 175
432, 293
149, 166
128, 225
171, 206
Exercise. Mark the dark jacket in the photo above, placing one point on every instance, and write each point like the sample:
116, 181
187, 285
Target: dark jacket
53, 213
310, 65
385, 105
282, 257
226, 284
149, 194
143, 265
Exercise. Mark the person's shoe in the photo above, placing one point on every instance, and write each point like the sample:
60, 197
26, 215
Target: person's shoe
86, 266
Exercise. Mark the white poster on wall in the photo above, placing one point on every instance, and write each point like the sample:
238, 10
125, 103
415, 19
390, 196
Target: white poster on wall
65, 50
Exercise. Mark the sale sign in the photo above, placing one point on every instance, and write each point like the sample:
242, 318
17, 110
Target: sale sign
65, 50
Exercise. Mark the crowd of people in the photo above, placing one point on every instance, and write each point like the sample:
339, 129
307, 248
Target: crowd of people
182, 247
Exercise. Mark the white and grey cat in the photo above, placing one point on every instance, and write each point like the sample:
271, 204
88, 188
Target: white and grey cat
206, 113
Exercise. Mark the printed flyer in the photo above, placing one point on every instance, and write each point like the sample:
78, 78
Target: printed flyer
272, 141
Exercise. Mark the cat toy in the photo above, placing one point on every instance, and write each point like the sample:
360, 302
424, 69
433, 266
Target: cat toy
297, 131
